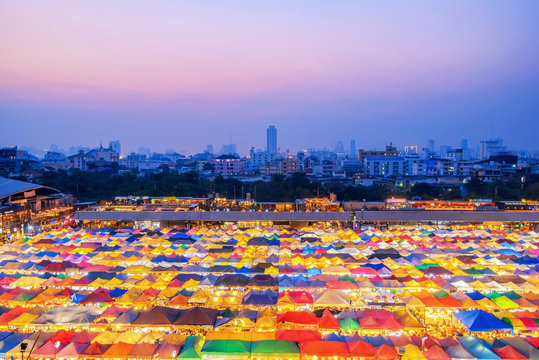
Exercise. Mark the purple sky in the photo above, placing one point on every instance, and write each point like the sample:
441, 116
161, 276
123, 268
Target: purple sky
179, 75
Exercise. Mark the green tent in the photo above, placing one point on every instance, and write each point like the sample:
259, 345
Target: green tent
426, 266
22, 297
191, 348
493, 294
440, 294
214, 349
271, 349
349, 324
504, 302
473, 272
512, 295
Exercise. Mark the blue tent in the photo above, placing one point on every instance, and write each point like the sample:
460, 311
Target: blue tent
476, 295
76, 298
117, 292
480, 320
478, 348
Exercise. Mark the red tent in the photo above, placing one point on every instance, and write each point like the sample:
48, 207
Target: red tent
328, 321
361, 349
151, 292
48, 350
66, 292
508, 352
324, 348
64, 337
84, 337
301, 297
391, 324
71, 351
449, 301
436, 352
298, 317
368, 322
341, 284
112, 311
298, 335
401, 340
534, 340
99, 296
176, 283
367, 271
95, 350
12, 314
448, 341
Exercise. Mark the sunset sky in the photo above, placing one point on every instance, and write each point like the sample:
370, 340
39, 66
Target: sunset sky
179, 75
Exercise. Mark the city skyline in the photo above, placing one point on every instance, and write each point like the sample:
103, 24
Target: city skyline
180, 75
475, 150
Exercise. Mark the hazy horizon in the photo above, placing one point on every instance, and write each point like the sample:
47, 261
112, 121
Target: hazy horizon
180, 75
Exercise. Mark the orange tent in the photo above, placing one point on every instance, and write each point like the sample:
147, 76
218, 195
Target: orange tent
386, 352
118, 350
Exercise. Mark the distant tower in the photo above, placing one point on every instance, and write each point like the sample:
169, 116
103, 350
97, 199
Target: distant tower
464, 144
339, 148
209, 149
271, 139
353, 151
115, 146
431, 145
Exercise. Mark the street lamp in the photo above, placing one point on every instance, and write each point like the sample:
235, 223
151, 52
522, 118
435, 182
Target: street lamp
24, 346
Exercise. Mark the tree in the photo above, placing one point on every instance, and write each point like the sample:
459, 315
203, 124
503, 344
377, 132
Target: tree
208, 167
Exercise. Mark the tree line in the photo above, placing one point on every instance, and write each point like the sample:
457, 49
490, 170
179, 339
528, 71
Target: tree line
88, 186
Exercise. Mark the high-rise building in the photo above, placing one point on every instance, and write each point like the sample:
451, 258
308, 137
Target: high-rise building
492, 147
339, 148
116, 146
431, 145
145, 151
271, 139
229, 149
464, 144
353, 148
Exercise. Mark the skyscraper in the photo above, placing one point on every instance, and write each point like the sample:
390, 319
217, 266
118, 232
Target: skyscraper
430, 146
353, 149
339, 148
492, 147
271, 139
229, 149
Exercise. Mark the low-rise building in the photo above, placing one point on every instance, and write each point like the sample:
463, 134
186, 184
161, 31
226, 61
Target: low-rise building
384, 166
227, 165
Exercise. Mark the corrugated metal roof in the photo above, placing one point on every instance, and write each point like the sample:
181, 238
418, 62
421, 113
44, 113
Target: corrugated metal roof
210, 216
367, 216
449, 215
9, 187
